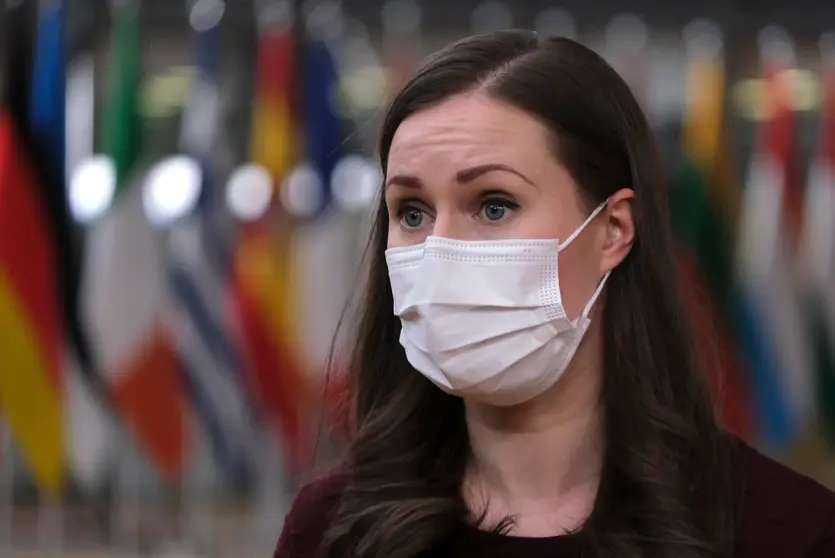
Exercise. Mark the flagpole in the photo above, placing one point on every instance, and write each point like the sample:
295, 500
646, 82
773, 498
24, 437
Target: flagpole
6, 490
203, 497
197, 496
50, 527
272, 497
127, 499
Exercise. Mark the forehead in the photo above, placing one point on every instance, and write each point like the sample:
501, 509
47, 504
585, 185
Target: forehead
469, 129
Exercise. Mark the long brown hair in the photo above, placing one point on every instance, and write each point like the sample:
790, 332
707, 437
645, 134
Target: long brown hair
665, 489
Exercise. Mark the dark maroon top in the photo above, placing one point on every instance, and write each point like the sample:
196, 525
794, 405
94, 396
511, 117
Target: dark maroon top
783, 515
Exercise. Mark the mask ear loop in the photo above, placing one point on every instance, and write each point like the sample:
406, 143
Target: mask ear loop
580, 229
571, 239
595, 296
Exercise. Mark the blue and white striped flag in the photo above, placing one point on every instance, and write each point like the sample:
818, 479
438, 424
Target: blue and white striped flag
198, 269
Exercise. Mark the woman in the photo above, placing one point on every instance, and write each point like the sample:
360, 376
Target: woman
525, 381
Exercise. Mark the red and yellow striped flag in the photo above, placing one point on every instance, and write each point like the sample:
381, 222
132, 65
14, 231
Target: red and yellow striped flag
30, 328
273, 119
262, 281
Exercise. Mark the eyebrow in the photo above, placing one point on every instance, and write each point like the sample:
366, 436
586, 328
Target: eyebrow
463, 176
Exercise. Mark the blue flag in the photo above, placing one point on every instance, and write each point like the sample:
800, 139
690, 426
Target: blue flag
47, 106
320, 113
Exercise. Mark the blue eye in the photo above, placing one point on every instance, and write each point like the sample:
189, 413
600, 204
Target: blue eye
497, 209
411, 217
494, 212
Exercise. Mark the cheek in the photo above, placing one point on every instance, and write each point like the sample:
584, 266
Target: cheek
396, 237
578, 275
538, 219
535, 224
393, 233
393, 241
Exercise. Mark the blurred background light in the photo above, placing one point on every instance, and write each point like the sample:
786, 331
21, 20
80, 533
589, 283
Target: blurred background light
92, 186
171, 189
249, 192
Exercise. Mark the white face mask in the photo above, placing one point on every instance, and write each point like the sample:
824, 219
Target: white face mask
485, 319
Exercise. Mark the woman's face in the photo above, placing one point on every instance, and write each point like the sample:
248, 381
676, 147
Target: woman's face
474, 168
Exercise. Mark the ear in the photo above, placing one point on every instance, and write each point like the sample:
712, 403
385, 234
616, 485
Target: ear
620, 229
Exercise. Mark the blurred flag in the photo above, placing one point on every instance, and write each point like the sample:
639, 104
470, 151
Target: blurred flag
50, 128
705, 258
122, 129
274, 138
320, 115
31, 326
48, 105
819, 251
322, 262
89, 406
272, 357
125, 281
199, 269
769, 232
125, 291
331, 250
261, 280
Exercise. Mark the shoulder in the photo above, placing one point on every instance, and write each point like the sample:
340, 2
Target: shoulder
781, 513
309, 516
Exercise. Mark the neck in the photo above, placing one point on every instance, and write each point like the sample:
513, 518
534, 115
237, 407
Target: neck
541, 460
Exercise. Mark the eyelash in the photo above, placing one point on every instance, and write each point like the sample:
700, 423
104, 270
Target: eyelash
497, 199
